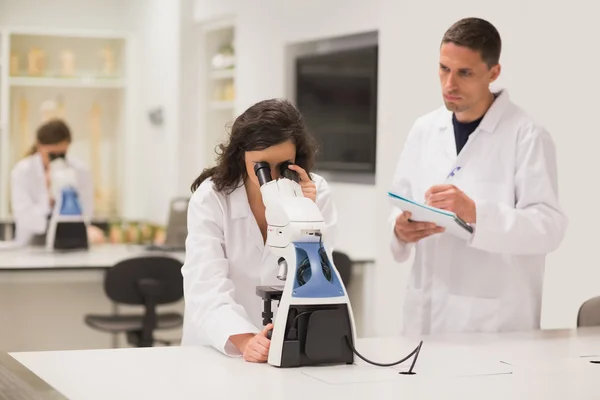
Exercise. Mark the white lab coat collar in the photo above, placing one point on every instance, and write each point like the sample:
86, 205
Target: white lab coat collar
38, 164
491, 117
240, 208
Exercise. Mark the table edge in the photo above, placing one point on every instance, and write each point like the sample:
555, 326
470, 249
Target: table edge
37, 384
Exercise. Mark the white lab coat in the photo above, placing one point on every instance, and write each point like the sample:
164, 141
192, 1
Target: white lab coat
30, 200
226, 260
492, 282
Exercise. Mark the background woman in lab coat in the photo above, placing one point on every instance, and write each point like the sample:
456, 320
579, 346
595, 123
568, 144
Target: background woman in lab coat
31, 199
226, 256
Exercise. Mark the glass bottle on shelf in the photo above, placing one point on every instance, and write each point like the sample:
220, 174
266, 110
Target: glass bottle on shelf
15, 67
67, 63
108, 62
229, 91
224, 59
36, 62
217, 93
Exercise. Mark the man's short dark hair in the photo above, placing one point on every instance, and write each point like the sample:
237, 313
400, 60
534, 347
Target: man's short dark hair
476, 34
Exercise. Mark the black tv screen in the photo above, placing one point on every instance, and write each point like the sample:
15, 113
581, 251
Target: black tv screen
337, 95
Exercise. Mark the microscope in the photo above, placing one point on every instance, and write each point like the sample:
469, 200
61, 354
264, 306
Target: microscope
67, 227
314, 323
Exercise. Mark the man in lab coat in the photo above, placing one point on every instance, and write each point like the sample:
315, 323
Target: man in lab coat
485, 159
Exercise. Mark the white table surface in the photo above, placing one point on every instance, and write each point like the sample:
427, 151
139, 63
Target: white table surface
98, 256
539, 365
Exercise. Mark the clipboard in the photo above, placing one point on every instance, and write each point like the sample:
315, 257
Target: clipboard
424, 213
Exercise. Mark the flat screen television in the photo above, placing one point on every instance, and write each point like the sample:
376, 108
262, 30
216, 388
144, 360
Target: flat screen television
337, 95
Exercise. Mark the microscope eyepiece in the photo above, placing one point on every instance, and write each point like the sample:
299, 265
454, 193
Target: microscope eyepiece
288, 173
263, 172
54, 156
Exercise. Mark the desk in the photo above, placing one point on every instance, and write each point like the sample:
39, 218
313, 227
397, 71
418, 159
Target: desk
543, 365
45, 294
97, 257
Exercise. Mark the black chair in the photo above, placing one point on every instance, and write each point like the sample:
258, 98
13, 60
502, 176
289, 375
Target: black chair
147, 281
589, 313
343, 264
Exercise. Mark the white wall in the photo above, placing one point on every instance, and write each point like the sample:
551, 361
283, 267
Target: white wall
191, 154
264, 28
210, 10
168, 40
547, 70
157, 26
67, 14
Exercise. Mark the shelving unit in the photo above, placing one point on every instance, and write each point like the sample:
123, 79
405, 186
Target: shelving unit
67, 82
219, 83
79, 76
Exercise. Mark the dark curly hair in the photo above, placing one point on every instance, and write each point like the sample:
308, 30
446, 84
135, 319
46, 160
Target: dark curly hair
265, 124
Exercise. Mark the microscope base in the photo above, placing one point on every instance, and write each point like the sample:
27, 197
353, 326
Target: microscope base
70, 236
317, 335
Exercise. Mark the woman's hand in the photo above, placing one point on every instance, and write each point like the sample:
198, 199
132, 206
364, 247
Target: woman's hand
257, 348
96, 235
309, 189
254, 348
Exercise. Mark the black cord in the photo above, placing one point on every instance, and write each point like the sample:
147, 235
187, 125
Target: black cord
415, 353
320, 238
412, 366
293, 324
325, 267
304, 265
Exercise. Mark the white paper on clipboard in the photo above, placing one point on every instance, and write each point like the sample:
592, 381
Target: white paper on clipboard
423, 213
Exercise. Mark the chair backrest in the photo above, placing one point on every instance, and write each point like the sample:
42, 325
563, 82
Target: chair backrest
589, 313
176, 232
122, 281
343, 264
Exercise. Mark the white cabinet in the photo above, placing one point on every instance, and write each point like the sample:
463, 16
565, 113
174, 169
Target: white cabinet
81, 77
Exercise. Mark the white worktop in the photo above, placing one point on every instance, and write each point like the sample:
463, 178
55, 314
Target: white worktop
98, 256
539, 365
